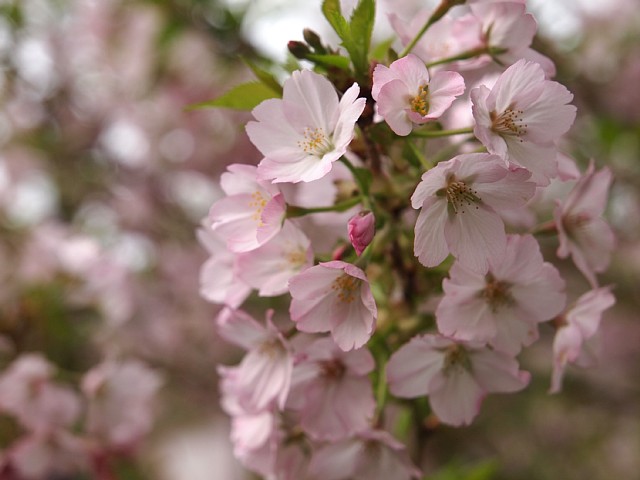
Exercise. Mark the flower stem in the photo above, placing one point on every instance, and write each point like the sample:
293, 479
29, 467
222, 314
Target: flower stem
295, 211
439, 12
441, 133
361, 186
461, 56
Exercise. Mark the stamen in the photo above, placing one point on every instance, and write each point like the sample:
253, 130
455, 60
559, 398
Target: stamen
346, 286
296, 258
496, 293
460, 194
271, 348
258, 202
420, 103
333, 369
455, 359
315, 142
508, 122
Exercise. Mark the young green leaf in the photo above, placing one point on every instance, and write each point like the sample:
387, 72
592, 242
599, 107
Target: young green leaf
245, 96
264, 76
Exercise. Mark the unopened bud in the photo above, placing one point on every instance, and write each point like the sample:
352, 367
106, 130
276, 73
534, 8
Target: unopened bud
313, 39
298, 49
362, 227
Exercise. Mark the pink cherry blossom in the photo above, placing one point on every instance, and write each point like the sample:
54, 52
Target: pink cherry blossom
264, 375
369, 455
36, 457
460, 199
219, 280
362, 228
332, 390
334, 297
28, 393
507, 32
302, 134
121, 396
522, 117
446, 38
269, 267
251, 213
503, 306
582, 231
578, 324
406, 95
250, 429
455, 375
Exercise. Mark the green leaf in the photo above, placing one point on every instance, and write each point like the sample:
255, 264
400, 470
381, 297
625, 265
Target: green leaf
361, 25
264, 76
381, 51
245, 96
330, 61
331, 11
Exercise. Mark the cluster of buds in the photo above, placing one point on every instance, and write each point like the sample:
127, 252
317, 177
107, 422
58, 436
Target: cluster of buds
427, 281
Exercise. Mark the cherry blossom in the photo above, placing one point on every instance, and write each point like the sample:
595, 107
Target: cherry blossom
369, 455
264, 375
27, 392
522, 117
219, 280
332, 391
575, 326
507, 33
460, 199
455, 375
503, 306
446, 38
251, 213
269, 267
582, 231
302, 134
406, 94
121, 396
334, 297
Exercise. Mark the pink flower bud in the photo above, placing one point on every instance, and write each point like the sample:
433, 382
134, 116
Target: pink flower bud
361, 230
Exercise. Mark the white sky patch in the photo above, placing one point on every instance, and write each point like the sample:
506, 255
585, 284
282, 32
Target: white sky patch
270, 24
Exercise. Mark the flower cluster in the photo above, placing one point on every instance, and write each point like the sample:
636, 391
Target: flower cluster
401, 246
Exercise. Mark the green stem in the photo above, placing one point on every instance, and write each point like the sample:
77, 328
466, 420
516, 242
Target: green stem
441, 133
356, 177
381, 392
295, 211
423, 160
440, 12
461, 56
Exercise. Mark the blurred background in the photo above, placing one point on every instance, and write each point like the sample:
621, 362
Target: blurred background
104, 178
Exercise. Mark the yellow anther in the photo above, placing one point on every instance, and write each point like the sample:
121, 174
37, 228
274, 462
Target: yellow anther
420, 103
346, 286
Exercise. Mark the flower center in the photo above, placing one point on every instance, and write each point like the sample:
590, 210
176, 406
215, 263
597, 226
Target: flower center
455, 359
257, 203
346, 286
332, 369
315, 142
296, 257
271, 348
420, 103
496, 293
460, 195
508, 122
